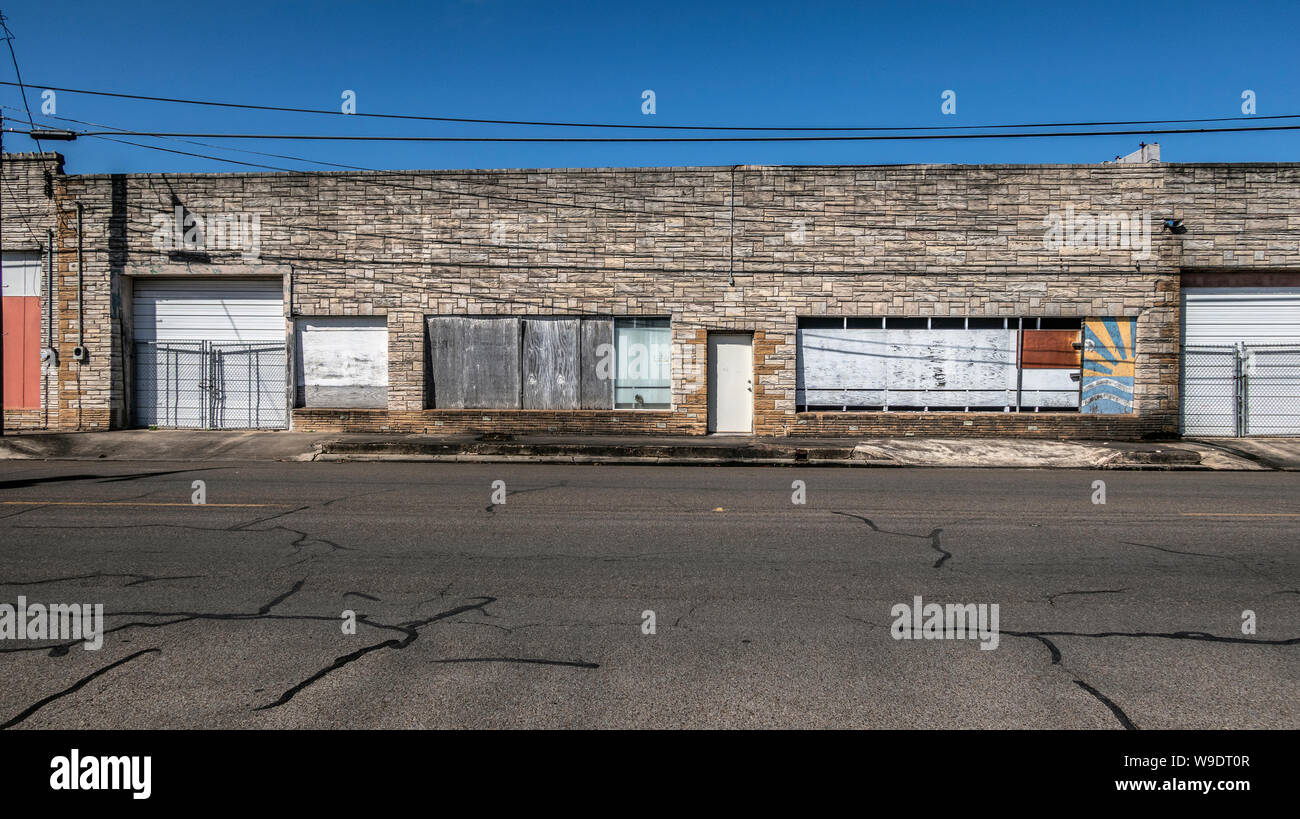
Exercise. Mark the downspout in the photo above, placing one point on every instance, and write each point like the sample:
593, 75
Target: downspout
81, 302
80, 296
49, 290
49, 328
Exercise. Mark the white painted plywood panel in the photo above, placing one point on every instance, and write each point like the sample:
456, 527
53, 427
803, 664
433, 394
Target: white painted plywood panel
918, 367
342, 361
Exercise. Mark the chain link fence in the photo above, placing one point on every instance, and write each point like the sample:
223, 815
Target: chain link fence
1241, 390
211, 385
1271, 404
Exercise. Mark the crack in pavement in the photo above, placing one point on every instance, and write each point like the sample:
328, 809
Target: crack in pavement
1056, 660
140, 578
491, 507
533, 660
412, 633
78, 685
678, 622
1124, 720
297, 587
933, 537
1228, 558
1128, 724
61, 649
1051, 598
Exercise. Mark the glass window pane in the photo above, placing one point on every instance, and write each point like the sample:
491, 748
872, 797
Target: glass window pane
643, 371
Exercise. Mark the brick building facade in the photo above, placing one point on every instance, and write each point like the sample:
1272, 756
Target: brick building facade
791, 245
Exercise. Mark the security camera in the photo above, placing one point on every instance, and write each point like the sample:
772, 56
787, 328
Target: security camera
1175, 226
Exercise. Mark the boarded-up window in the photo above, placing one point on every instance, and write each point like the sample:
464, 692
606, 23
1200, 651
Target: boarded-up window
539, 362
938, 363
474, 362
342, 361
906, 367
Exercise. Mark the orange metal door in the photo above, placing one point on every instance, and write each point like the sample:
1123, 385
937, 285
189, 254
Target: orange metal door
22, 322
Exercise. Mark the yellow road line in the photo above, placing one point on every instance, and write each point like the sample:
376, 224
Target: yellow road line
1241, 514
127, 503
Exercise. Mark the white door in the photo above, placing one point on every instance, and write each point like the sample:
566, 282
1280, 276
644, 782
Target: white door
1266, 320
731, 383
210, 353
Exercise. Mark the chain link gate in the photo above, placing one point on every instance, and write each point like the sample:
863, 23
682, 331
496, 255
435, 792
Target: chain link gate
1240, 390
210, 385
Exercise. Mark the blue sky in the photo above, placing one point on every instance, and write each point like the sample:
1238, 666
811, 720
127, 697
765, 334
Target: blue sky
750, 63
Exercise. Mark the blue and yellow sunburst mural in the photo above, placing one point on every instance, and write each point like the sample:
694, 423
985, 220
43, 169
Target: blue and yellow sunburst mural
1108, 358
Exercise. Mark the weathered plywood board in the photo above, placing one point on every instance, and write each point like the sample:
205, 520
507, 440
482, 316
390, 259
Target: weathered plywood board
1051, 349
474, 362
597, 389
550, 363
918, 367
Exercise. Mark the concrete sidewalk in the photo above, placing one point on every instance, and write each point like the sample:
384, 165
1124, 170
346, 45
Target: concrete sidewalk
244, 445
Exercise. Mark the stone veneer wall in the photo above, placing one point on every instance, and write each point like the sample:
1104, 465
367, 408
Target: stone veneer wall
808, 241
31, 189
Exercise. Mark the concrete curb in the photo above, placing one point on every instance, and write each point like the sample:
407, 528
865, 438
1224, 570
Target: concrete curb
614, 460
932, 453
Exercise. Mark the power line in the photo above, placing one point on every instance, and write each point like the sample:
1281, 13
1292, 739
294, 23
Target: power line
564, 124
713, 214
219, 159
714, 209
9, 40
639, 140
116, 129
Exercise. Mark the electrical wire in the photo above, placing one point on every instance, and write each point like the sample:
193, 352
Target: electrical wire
713, 210
644, 140
564, 124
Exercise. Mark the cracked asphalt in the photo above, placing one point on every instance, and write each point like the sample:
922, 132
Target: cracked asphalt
478, 614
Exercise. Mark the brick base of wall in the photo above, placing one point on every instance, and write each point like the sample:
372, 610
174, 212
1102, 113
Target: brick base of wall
25, 419
664, 422
981, 424
521, 422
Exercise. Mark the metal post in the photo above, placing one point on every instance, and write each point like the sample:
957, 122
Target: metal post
1238, 389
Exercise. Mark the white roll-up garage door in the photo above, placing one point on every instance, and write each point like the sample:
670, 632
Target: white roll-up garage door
1241, 349
210, 353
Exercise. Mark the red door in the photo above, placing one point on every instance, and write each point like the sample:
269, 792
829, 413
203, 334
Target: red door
22, 341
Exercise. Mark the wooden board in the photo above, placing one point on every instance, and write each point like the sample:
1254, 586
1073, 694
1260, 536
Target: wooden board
474, 362
597, 391
550, 365
1051, 350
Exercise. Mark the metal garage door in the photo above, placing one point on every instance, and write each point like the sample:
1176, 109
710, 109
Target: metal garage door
210, 354
1241, 361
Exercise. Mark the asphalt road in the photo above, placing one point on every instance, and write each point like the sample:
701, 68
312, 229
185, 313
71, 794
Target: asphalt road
767, 613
